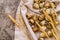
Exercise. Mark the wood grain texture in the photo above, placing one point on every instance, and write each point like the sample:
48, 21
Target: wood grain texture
7, 28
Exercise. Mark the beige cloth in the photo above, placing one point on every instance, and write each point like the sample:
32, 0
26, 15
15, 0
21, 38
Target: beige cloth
20, 33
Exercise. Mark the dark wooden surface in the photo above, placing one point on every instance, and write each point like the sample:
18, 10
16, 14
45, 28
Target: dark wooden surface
7, 28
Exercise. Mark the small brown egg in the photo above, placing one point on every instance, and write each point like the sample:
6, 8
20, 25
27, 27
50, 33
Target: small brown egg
42, 35
47, 4
35, 17
43, 27
36, 5
41, 38
35, 29
52, 5
49, 33
31, 21
43, 22
41, 17
48, 25
32, 26
48, 11
29, 15
41, 5
47, 19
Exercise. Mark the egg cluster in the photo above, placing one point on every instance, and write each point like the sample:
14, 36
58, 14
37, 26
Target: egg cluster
45, 21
